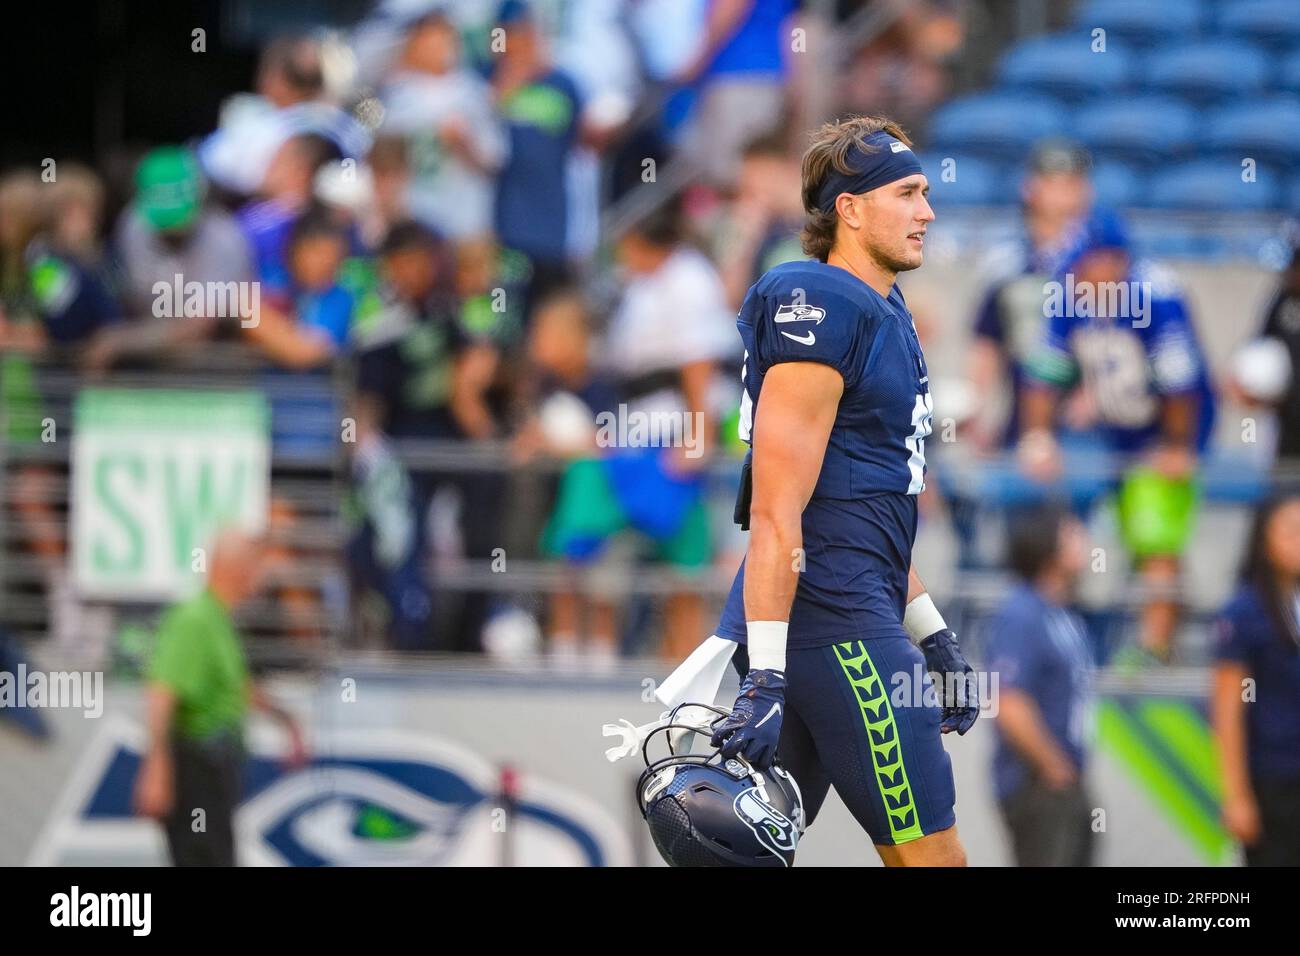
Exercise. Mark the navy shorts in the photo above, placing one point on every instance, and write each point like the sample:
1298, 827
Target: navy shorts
857, 719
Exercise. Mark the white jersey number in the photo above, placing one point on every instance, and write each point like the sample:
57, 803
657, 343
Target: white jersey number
922, 418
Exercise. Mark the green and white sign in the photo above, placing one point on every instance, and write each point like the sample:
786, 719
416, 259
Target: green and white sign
155, 474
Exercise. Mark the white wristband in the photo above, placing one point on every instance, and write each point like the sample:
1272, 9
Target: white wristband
921, 618
767, 645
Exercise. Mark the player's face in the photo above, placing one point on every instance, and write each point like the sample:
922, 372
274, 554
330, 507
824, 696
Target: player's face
893, 228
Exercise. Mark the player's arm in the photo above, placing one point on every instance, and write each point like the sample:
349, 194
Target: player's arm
800, 401
799, 404
957, 686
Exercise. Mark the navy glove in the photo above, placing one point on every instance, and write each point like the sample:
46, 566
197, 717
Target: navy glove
954, 681
754, 726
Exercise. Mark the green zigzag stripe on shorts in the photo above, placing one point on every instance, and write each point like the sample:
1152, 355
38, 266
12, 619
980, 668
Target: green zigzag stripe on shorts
882, 735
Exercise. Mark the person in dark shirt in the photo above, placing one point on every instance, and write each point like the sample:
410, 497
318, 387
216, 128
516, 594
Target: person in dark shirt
542, 110
1256, 697
420, 375
1010, 320
1282, 323
1038, 651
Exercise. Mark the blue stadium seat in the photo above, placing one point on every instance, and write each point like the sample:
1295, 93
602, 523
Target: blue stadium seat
1118, 185
1267, 130
1141, 128
974, 181
1065, 65
1142, 24
1270, 22
1209, 69
1213, 185
1289, 75
999, 125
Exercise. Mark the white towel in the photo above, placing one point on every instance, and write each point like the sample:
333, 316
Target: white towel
696, 680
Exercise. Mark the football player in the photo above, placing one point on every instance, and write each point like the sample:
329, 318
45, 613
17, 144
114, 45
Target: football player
836, 409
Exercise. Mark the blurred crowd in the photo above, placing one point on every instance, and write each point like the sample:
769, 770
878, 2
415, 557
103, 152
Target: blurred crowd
469, 229
420, 206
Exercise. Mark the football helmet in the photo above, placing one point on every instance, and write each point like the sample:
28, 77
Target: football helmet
706, 811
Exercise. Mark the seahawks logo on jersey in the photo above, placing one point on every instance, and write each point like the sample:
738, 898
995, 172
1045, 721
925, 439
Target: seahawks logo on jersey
800, 313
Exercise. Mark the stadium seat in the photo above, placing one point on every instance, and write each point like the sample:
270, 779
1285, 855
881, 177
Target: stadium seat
1142, 24
1289, 75
999, 125
973, 181
1141, 128
1268, 130
1065, 65
1213, 185
1117, 184
1269, 22
1209, 69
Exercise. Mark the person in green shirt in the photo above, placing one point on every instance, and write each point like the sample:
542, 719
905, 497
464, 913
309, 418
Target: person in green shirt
198, 697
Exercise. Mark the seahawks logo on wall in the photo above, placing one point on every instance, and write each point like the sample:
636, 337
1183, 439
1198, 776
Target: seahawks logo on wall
377, 797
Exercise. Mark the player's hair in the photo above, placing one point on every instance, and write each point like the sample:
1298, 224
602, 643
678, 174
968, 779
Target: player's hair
830, 150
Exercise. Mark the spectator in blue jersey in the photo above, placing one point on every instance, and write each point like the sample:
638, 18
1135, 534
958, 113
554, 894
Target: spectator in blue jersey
1122, 330
738, 72
542, 113
1038, 650
306, 321
285, 194
1010, 320
1256, 697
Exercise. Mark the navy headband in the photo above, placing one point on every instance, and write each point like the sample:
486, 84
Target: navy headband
890, 161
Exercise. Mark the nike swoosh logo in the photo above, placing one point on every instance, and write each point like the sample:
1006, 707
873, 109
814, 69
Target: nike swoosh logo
775, 711
807, 339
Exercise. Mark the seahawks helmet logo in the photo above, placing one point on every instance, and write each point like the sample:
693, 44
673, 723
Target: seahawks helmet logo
800, 313
773, 828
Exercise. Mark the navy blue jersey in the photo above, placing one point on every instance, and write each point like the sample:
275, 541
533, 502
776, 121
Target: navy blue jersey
1131, 364
1041, 649
1247, 634
859, 525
